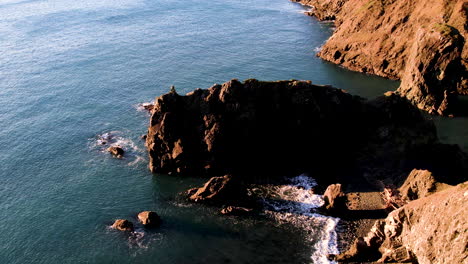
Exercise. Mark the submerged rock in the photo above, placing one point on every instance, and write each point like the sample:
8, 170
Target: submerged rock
123, 225
149, 219
236, 210
117, 151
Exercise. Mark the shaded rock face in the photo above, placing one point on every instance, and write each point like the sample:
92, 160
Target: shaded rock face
434, 69
420, 42
245, 128
149, 219
123, 225
218, 190
428, 230
335, 198
419, 184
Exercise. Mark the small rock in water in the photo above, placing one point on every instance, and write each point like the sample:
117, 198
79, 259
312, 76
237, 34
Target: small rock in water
123, 225
235, 210
149, 219
116, 151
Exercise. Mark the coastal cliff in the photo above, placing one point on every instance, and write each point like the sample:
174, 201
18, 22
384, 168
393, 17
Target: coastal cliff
422, 43
290, 127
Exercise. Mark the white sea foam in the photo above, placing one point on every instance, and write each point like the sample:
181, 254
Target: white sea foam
294, 204
133, 153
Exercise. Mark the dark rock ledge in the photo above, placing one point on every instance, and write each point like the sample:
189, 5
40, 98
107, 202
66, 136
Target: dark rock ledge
251, 131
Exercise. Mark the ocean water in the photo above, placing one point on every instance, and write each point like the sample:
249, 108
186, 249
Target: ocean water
72, 72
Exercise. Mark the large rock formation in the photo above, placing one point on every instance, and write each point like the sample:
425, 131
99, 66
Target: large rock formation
420, 42
419, 184
283, 127
428, 230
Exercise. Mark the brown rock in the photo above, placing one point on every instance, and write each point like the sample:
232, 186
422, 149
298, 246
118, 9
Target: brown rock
117, 151
236, 210
123, 225
334, 197
432, 229
149, 219
243, 128
420, 43
419, 184
218, 190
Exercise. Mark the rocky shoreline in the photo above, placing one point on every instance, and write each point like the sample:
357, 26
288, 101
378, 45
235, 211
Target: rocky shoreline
421, 43
254, 131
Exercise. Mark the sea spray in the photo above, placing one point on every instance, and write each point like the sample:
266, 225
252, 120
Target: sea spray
294, 203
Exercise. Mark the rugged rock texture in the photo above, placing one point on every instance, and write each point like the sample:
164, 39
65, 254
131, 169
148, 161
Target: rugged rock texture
335, 198
149, 219
420, 42
419, 184
123, 225
428, 230
244, 128
218, 190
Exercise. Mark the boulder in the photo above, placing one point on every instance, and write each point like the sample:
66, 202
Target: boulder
116, 151
149, 219
123, 225
218, 190
236, 210
335, 198
419, 184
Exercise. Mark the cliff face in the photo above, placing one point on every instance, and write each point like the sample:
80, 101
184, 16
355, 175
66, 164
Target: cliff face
420, 42
289, 127
428, 230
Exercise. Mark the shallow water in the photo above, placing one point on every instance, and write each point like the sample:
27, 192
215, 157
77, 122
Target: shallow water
71, 71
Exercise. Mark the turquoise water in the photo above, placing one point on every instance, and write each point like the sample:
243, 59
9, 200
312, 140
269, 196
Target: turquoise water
73, 70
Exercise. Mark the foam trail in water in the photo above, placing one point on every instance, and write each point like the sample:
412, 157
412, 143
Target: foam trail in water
294, 204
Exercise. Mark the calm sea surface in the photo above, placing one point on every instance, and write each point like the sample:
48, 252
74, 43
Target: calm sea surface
71, 71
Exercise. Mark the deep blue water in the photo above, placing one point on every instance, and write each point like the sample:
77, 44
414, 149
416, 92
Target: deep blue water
73, 70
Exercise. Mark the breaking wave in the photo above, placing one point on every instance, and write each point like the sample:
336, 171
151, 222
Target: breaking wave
294, 203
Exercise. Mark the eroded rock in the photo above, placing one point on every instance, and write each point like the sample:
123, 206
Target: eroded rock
149, 219
335, 198
218, 190
116, 151
123, 225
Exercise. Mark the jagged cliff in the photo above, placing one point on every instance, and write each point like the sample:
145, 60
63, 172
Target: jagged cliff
289, 127
420, 42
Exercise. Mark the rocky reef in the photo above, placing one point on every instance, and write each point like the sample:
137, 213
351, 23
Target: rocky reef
422, 43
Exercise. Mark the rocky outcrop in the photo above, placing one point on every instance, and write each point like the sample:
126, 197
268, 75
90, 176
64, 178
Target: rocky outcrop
428, 230
434, 70
244, 128
149, 219
335, 198
420, 42
419, 184
123, 225
116, 151
218, 190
